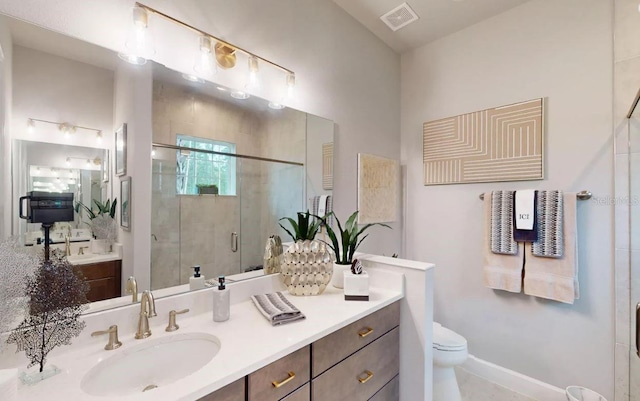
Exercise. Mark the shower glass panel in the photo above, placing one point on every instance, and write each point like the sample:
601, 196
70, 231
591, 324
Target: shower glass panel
633, 128
223, 234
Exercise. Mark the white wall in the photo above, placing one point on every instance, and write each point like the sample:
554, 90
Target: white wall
5, 135
132, 105
343, 72
562, 51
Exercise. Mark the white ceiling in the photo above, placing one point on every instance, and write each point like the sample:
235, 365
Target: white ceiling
438, 18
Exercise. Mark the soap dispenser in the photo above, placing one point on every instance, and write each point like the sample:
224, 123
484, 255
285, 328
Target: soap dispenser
221, 302
197, 281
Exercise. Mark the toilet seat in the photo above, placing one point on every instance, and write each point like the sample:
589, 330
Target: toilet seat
447, 340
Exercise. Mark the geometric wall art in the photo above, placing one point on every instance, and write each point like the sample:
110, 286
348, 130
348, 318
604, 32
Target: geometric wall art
327, 165
378, 189
499, 144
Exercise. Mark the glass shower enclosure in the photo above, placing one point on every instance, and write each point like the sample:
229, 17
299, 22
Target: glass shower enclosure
223, 233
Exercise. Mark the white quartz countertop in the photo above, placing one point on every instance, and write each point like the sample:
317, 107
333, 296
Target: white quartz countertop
248, 342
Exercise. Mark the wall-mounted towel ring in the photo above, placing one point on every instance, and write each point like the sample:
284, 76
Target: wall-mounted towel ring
582, 195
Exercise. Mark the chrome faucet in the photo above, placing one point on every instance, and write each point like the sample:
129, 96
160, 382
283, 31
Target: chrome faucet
132, 288
147, 310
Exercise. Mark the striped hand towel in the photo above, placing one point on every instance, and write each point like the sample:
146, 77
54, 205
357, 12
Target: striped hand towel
502, 241
276, 308
549, 212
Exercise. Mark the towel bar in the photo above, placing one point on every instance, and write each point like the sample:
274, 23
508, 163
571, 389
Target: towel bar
582, 195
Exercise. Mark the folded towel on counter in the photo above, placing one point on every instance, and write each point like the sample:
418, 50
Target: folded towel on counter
549, 209
277, 308
502, 223
500, 272
525, 221
556, 278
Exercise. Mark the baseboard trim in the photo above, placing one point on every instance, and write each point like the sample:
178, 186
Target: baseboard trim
514, 381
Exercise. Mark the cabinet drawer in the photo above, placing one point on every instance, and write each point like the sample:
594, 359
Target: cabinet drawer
301, 394
390, 391
230, 392
288, 373
360, 376
96, 271
336, 346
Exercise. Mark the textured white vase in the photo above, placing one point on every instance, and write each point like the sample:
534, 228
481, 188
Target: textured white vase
307, 268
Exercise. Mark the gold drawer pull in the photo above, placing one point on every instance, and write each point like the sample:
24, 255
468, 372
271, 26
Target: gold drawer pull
365, 332
366, 379
285, 381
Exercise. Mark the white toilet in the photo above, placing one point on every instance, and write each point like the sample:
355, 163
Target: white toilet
449, 350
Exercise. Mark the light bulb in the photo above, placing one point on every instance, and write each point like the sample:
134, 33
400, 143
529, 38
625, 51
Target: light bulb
31, 126
99, 137
153, 152
276, 105
205, 64
139, 43
291, 84
253, 73
88, 165
68, 162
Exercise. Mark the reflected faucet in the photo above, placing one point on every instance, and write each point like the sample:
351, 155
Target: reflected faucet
132, 288
147, 310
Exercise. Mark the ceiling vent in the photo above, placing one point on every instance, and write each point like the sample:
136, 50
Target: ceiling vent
399, 17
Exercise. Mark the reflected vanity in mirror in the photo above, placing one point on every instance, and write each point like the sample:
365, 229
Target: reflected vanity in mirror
260, 161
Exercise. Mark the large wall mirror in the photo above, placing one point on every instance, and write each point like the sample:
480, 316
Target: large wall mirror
222, 169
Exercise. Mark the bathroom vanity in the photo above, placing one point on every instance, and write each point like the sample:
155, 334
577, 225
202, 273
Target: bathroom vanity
352, 350
358, 362
104, 279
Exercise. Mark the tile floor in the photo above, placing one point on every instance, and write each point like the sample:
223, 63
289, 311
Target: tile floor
475, 388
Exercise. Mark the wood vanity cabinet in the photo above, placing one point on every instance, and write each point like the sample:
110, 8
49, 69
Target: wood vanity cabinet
104, 279
359, 362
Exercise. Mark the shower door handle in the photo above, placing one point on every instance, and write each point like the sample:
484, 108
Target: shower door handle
638, 329
234, 242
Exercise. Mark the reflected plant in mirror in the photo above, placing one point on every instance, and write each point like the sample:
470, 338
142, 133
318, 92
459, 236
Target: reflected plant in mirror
101, 219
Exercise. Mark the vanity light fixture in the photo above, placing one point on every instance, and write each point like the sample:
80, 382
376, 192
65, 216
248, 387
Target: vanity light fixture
31, 126
253, 73
209, 45
291, 84
66, 128
205, 66
139, 44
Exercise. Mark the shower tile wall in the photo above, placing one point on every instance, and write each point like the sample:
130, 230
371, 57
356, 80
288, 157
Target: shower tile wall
627, 197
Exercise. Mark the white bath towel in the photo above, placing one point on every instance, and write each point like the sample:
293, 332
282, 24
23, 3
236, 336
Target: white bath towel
500, 272
9, 384
556, 278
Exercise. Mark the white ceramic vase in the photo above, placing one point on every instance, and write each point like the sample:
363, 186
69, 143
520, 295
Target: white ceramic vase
338, 275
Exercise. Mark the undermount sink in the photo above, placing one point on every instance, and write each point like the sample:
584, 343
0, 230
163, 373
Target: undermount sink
150, 364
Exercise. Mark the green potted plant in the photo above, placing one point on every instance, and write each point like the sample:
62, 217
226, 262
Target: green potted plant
207, 189
307, 266
346, 244
103, 223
